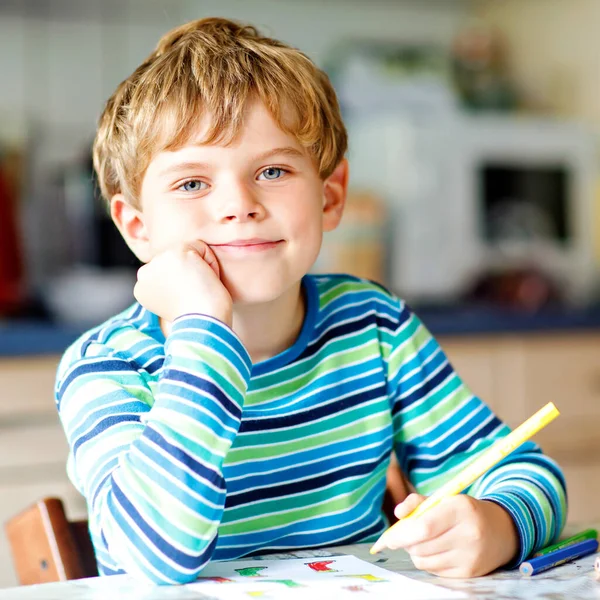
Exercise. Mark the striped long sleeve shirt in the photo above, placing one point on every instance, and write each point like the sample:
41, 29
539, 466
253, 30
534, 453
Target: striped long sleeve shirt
187, 452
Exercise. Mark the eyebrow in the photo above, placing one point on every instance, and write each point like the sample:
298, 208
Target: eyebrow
286, 150
191, 165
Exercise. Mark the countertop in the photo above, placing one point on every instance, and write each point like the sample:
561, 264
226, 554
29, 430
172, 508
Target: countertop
575, 581
29, 337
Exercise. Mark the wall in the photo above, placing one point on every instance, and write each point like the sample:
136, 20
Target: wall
554, 51
61, 59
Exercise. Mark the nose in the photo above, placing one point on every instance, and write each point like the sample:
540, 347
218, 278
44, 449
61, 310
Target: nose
240, 204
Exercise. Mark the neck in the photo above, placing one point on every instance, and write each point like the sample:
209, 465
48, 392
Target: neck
254, 324
270, 328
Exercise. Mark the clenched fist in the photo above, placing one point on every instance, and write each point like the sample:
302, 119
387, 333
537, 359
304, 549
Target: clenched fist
183, 280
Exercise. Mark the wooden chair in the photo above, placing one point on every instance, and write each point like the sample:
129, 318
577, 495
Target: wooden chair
397, 488
47, 547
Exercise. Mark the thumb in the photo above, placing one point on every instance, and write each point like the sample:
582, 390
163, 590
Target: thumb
408, 505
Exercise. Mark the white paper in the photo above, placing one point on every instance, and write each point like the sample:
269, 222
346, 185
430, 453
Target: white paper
328, 578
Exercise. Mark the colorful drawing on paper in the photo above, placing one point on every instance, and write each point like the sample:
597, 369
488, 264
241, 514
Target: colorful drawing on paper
321, 566
250, 571
366, 577
216, 579
356, 588
287, 582
346, 577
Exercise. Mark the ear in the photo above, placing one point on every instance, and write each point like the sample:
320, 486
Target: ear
335, 190
130, 222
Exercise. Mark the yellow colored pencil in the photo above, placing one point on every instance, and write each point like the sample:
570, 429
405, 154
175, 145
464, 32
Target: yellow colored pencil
480, 465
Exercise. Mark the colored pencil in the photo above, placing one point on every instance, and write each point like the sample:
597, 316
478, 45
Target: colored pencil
480, 465
588, 534
558, 557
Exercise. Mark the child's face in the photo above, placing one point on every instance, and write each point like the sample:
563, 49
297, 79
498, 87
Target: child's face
259, 203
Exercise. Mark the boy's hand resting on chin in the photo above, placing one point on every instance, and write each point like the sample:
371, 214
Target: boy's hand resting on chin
460, 537
182, 280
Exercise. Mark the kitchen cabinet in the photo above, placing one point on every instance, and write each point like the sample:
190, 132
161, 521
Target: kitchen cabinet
33, 447
517, 375
514, 374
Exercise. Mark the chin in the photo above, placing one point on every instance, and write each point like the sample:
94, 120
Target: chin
260, 288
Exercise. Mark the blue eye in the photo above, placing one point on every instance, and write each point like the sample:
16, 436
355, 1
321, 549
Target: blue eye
271, 173
193, 185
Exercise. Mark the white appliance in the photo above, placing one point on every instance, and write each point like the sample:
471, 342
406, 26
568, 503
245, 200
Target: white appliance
470, 194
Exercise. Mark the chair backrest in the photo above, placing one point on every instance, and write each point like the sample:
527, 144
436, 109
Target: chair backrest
47, 547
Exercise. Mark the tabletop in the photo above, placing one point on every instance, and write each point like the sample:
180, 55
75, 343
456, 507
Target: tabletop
575, 581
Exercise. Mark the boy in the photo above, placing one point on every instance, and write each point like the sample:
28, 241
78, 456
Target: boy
241, 405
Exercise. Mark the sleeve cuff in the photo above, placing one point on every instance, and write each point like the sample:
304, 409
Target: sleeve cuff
523, 520
194, 328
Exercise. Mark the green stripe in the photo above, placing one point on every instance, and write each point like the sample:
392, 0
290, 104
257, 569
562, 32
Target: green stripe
283, 511
351, 430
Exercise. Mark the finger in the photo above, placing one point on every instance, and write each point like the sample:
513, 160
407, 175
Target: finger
141, 272
408, 505
450, 564
206, 253
416, 530
211, 258
442, 562
137, 288
442, 543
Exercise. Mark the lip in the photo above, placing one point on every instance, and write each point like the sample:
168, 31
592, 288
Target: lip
248, 242
247, 246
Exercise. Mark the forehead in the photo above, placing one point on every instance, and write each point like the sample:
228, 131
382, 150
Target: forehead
257, 126
257, 135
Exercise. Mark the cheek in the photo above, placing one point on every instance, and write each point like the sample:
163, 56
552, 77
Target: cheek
305, 218
170, 228
307, 233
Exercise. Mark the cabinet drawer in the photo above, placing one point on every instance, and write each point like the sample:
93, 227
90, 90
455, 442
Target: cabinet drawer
583, 487
37, 445
27, 386
474, 362
491, 367
564, 370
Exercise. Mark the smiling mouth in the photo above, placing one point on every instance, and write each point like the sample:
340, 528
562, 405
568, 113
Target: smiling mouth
247, 246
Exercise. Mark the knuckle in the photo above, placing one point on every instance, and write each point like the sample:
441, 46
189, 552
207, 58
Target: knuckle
466, 506
425, 530
473, 532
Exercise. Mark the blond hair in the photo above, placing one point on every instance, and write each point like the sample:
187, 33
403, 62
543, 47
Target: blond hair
213, 66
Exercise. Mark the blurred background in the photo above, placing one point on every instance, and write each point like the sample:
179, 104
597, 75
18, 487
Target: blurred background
475, 195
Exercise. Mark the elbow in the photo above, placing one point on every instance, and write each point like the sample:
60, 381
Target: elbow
165, 568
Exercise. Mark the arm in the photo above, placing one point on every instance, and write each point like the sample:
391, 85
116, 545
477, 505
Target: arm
439, 425
149, 461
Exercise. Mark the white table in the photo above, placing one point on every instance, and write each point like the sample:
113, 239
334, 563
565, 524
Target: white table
573, 581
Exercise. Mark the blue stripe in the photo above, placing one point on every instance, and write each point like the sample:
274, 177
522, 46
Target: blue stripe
436, 463
314, 414
179, 456
200, 382
104, 424
305, 485
95, 368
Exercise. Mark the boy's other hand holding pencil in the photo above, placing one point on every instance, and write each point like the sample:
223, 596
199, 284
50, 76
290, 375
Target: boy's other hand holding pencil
460, 537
